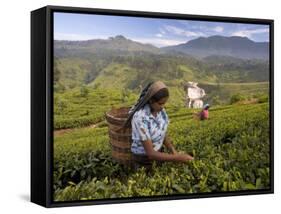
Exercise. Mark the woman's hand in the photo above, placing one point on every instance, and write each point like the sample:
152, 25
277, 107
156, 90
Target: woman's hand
160, 156
183, 157
174, 152
169, 145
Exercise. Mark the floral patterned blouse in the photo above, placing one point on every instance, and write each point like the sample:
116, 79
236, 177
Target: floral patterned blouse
147, 127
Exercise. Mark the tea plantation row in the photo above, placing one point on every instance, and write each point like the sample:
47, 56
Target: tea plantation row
231, 153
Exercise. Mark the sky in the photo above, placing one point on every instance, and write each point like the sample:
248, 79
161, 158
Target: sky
155, 31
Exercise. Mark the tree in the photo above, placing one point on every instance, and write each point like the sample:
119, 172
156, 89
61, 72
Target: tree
125, 95
216, 100
236, 98
84, 91
57, 71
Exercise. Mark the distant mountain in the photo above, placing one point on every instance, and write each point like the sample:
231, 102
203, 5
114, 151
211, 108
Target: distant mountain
124, 63
118, 44
235, 46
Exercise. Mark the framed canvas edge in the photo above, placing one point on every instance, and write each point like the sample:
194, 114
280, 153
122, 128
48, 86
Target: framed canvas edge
49, 108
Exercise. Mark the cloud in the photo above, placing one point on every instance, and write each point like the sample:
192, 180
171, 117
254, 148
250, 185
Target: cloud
159, 35
158, 42
76, 37
202, 26
181, 32
249, 33
218, 29
162, 31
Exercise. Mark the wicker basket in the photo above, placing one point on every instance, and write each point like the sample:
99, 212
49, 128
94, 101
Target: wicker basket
120, 138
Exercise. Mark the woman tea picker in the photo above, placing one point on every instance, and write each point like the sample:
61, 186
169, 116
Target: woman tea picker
149, 126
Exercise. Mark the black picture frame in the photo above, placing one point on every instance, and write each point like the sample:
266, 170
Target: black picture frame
42, 102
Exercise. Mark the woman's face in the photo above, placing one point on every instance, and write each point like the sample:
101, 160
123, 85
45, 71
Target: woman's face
159, 105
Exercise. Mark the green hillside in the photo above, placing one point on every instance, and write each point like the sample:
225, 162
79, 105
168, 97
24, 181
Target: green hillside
220, 81
135, 64
85, 105
117, 76
221, 93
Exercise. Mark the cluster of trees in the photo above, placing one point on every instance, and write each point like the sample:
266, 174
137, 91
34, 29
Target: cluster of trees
149, 67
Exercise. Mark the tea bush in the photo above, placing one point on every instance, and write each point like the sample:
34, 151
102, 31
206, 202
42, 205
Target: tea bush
231, 152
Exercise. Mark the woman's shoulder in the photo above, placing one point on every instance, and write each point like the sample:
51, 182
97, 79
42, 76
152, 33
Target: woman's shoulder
164, 115
142, 113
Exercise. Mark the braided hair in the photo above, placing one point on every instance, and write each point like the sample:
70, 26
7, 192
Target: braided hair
139, 104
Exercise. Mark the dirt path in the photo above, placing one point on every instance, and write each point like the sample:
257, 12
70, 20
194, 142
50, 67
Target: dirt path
63, 131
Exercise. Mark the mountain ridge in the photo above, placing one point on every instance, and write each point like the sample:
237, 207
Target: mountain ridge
95, 62
235, 46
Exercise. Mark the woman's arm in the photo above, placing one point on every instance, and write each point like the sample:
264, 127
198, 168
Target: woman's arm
169, 145
159, 156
